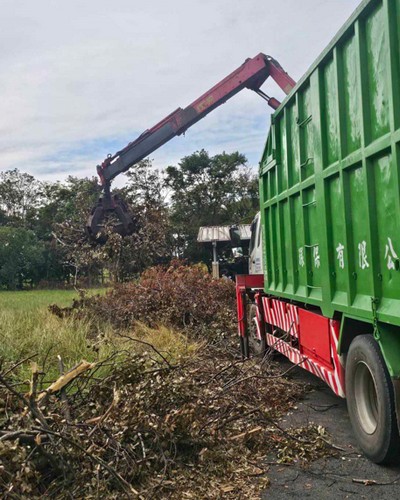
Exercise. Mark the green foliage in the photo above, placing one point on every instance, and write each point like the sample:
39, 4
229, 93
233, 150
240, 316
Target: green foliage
168, 208
66, 203
40, 207
20, 195
145, 186
21, 257
208, 191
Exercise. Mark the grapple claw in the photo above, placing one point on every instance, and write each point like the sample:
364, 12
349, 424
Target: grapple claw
109, 207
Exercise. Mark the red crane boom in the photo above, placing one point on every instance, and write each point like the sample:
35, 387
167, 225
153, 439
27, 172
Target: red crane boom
251, 74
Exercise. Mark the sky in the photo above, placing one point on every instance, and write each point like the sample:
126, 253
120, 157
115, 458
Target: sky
81, 79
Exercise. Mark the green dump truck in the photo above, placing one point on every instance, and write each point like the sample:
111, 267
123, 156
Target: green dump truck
329, 298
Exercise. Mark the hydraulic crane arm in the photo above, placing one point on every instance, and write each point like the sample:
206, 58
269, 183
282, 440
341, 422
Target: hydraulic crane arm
251, 74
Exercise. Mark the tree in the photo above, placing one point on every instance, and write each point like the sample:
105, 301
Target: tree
3, 218
64, 216
168, 208
122, 257
21, 257
20, 196
146, 186
151, 243
209, 191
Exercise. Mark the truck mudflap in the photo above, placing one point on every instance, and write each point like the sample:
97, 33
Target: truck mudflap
287, 318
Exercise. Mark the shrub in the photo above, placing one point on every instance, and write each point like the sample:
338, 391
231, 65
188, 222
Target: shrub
179, 296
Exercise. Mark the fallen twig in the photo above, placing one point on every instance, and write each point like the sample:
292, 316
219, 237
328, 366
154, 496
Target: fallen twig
126, 486
373, 482
65, 379
19, 363
99, 420
246, 433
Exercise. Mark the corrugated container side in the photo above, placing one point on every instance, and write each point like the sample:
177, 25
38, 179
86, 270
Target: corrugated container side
329, 176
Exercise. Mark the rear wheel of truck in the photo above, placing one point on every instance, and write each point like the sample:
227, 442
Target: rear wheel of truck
257, 346
370, 401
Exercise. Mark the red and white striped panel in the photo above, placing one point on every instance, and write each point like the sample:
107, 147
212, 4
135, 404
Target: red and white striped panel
282, 314
337, 360
257, 320
333, 377
293, 316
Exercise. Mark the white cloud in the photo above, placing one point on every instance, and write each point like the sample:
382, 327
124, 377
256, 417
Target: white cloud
78, 76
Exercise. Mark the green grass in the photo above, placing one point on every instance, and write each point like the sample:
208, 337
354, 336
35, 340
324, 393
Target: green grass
27, 328
38, 299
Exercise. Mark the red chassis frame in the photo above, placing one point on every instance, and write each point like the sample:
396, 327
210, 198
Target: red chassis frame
304, 336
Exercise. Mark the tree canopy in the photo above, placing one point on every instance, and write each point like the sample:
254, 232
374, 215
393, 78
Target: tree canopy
42, 224
208, 191
21, 257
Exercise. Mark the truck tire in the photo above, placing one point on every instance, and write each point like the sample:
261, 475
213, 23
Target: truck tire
370, 401
257, 347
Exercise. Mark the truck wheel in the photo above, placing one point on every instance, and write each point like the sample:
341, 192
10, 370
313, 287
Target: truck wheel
370, 401
257, 347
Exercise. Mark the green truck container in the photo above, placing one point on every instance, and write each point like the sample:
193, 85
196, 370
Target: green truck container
330, 211
330, 176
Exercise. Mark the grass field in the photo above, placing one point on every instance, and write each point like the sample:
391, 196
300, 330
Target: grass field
37, 299
27, 328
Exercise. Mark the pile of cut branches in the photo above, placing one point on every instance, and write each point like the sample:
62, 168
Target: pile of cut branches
179, 296
138, 426
146, 422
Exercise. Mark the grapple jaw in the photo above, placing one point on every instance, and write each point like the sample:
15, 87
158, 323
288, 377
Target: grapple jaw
110, 212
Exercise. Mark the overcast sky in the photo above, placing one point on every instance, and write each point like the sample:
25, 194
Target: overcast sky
80, 79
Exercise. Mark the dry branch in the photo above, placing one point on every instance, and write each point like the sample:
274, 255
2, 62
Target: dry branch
65, 379
246, 434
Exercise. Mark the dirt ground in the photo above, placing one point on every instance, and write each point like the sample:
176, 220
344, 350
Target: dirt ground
333, 477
